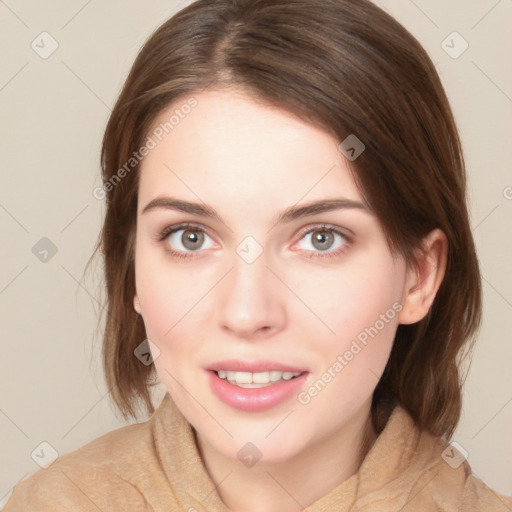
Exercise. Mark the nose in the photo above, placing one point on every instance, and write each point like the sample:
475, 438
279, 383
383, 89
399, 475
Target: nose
251, 302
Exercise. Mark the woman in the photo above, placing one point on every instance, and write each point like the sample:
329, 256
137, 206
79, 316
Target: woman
287, 240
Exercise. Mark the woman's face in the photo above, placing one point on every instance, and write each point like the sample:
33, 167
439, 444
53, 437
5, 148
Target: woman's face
314, 292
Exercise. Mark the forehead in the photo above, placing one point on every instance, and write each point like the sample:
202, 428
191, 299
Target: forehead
231, 150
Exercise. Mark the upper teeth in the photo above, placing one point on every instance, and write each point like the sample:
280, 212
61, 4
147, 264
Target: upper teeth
256, 378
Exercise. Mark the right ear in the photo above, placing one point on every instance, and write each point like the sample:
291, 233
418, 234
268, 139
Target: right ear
136, 304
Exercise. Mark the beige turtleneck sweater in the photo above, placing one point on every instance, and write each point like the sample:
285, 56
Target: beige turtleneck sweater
156, 466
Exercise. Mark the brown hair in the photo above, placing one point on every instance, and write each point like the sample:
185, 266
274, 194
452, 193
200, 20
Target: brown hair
349, 68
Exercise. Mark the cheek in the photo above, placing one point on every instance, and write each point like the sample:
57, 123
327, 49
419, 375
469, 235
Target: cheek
361, 305
162, 294
355, 298
174, 302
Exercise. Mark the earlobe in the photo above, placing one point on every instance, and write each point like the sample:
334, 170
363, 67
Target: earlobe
136, 305
424, 279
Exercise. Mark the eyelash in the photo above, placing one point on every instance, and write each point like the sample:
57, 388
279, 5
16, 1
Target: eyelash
169, 230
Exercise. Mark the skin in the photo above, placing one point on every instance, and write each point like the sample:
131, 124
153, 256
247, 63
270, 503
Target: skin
250, 161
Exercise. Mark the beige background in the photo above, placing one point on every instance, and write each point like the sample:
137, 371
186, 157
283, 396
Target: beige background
54, 111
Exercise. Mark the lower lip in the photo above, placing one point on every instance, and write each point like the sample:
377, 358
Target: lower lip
255, 399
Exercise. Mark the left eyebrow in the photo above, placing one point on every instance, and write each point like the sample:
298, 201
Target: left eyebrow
289, 214
316, 207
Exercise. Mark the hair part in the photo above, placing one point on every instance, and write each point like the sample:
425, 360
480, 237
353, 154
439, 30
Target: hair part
349, 68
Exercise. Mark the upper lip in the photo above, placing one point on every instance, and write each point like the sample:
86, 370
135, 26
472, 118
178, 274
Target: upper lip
235, 365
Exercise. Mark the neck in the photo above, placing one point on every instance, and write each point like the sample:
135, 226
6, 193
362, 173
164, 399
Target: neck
280, 487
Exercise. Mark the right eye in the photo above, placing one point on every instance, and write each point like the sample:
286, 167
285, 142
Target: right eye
185, 239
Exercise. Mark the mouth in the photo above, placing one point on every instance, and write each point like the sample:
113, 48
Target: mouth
254, 387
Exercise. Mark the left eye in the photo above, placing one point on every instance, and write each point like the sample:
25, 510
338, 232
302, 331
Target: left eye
323, 239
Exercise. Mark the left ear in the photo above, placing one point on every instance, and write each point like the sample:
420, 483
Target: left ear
424, 278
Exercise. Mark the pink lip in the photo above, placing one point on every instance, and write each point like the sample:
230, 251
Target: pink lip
254, 367
255, 399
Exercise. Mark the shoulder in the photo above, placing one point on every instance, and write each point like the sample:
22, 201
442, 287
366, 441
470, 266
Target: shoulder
477, 496
452, 485
82, 479
427, 473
